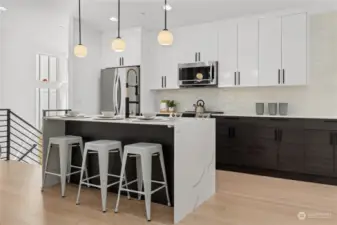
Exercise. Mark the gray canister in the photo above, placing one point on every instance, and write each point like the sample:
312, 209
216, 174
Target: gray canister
283, 109
272, 107
259, 108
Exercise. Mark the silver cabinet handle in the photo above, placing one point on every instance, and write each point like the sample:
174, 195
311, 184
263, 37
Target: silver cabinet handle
196, 57
162, 81
199, 56
239, 78
234, 78
284, 76
279, 76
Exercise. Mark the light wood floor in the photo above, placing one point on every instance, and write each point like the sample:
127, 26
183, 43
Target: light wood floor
240, 200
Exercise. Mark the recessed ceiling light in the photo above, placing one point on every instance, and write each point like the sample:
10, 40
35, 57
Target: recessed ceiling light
167, 7
113, 19
3, 9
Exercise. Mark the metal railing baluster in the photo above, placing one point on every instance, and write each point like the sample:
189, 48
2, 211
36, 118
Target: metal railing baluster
8, 134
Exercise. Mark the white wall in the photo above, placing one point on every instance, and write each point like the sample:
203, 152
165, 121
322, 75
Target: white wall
26, 32
85, 72
317, 98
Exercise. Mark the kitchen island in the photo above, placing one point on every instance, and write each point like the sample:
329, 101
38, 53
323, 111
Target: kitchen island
188, 147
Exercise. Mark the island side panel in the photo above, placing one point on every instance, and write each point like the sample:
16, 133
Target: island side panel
52, 128
127, 134
194, 165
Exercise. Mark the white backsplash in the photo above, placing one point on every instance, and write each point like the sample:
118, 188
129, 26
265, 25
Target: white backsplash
318, 98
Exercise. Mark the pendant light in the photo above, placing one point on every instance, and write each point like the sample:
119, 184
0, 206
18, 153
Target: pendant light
118, 45
165, 37
80, 50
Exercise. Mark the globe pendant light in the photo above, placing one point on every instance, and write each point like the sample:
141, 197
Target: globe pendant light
118, 45
80, 50
165, 37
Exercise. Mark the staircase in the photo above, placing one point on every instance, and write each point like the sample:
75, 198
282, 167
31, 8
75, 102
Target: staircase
19, 140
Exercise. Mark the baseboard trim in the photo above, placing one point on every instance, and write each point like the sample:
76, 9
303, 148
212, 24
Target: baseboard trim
279, 174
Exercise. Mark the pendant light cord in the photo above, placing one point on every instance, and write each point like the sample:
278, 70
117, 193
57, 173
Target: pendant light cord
80, 23
165, 8
119, 18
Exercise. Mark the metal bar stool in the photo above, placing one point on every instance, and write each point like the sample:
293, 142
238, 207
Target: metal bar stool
66, 144
103, 148
144, 152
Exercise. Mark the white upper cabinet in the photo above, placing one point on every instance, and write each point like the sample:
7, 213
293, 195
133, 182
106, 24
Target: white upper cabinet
164, 64
294, 49
206, 36
196, 43
132, 54
270, 50
283, 50
185, 43
248, 52
228, 54
170, 69
238, 53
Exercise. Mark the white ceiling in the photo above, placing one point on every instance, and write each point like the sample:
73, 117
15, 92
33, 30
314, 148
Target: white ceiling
149, 13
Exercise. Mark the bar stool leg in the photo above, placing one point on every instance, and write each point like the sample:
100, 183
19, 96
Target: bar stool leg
70, 156
125, 156
103, 157
46, 166
125, 175
63, 148
139, 176
82, 173
85, 160
162, 162
146, 160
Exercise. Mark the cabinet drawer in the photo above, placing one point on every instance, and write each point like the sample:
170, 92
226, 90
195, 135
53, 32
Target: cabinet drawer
280, 122
320, 124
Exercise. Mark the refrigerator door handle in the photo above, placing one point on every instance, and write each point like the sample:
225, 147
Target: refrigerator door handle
118, 106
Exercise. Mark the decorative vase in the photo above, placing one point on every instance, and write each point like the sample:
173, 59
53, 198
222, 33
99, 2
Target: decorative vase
172, 109
163, 106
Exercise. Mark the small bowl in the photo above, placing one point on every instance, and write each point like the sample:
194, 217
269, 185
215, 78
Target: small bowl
108, 114
149, 115
73, 113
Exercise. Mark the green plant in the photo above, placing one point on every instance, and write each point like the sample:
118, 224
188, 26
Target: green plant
172, 103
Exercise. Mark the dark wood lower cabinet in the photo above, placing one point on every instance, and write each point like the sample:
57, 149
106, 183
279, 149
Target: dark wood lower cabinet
285, 145
319, 152
291, 157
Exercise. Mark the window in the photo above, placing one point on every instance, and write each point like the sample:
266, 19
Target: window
52, 84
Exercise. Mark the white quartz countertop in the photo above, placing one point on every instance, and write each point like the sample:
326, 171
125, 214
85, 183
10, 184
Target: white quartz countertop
276, 116
160, 121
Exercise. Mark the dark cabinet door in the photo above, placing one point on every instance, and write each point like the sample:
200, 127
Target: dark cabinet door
262, 153
319, 152
227, 150
291, 150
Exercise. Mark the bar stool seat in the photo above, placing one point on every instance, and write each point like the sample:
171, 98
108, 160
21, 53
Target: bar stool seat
65, 143
103, 148
144, 152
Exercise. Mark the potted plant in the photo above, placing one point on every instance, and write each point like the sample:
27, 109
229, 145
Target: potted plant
172, 105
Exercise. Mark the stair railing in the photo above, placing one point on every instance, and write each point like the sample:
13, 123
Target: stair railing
19, 140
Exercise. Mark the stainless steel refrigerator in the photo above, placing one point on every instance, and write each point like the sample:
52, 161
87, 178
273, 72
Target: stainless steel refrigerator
114, 92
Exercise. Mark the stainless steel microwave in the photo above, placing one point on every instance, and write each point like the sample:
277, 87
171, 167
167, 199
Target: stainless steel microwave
198, 74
